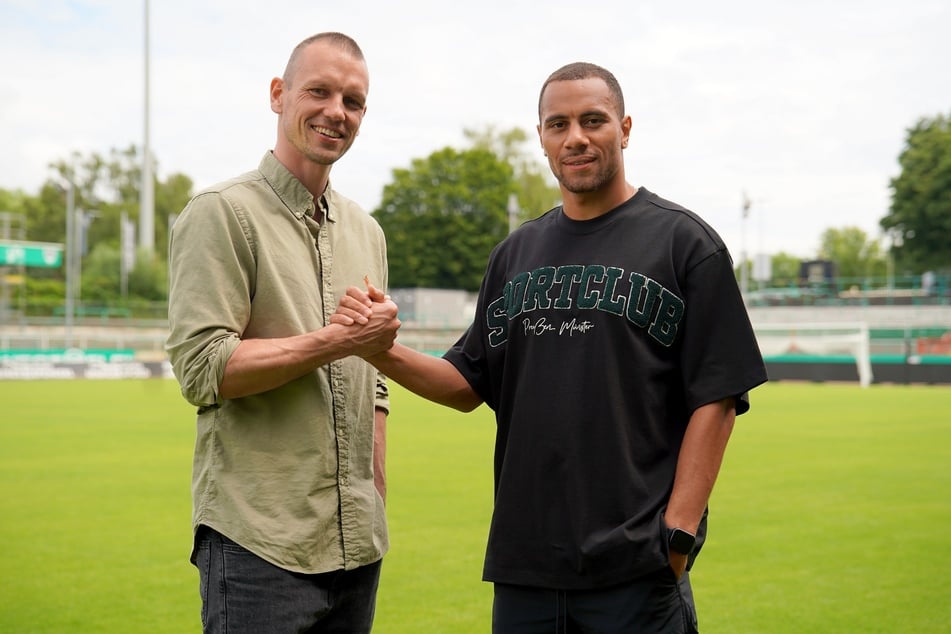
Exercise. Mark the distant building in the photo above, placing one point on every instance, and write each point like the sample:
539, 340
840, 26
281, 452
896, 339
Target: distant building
818, 274
434, 307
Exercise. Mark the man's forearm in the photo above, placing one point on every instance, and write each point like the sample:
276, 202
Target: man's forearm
433, 378
259, 365
379, 452
698, 465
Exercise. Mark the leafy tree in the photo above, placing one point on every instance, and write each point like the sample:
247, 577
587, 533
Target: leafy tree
12, 201
534, 184
43, 295
171, 197
149, 277
443, 216
785, 270
105, 188
108, 186
43, 214
919, 218
101, 283
855, 256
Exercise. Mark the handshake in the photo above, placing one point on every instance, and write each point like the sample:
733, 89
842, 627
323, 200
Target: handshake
370, 319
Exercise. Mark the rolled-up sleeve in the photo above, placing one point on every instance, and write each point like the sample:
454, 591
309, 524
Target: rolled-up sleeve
211, 265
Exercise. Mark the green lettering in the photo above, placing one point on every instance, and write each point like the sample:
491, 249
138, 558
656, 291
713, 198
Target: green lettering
588, 297
515, 295
536, 293
666, 323
609, 303
567, 275
640, 303
498, 323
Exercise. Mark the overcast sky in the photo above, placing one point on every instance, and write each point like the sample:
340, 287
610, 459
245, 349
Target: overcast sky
802, 105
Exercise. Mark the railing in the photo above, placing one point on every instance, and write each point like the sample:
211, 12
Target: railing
147, 339
908, 290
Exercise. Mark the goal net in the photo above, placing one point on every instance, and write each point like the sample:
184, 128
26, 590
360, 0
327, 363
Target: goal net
821, 339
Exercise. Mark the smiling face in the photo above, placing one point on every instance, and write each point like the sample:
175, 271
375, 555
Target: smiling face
320, 102
583, 135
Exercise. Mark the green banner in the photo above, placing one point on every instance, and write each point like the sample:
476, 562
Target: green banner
37, 254
71, 355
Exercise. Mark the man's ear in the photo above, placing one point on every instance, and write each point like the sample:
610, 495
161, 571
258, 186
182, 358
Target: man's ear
626, 130
277, 91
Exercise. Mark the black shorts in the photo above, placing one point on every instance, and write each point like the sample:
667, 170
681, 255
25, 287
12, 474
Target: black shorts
657, 604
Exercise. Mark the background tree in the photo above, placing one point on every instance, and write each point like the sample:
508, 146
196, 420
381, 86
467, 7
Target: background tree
13, 201
785, 270
46, 213
101, 275
443, 216
535, 187
105, 187
856, 257
148, 279
108, 186
919, 218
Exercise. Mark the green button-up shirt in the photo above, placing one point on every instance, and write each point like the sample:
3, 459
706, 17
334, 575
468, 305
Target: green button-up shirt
288, 473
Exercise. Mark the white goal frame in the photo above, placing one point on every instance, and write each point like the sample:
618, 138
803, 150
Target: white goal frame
818, 338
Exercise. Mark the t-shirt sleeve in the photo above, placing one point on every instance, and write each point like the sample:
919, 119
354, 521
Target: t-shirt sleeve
468, 356
719, 354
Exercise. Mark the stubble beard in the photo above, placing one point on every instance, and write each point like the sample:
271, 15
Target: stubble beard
320, 155
307, 143
586, 184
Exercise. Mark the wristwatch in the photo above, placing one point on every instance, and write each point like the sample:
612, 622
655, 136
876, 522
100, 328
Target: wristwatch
680, 541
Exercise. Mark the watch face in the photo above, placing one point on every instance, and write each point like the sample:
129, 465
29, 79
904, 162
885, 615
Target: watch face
681, 541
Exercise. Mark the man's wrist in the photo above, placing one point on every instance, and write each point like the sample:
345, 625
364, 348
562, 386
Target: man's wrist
680, 541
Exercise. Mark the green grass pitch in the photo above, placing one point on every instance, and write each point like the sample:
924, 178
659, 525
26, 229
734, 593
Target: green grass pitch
829, 514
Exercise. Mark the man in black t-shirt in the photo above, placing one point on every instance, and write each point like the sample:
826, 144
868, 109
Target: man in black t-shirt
612, 342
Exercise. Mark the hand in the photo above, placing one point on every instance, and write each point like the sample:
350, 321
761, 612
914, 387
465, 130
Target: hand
355, 307
678, 563
370, 325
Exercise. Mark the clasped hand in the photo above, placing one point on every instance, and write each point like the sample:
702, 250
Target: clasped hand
371, 315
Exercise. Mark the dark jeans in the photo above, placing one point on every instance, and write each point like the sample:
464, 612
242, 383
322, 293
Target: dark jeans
240, 592
656, 604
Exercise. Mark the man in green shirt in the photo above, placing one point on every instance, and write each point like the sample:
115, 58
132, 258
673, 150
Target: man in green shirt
288, 520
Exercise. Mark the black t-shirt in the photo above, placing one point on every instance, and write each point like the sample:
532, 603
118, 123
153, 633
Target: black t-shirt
593, 342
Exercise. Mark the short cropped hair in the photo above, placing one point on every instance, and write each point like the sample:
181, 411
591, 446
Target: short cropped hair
339, 40
584, 70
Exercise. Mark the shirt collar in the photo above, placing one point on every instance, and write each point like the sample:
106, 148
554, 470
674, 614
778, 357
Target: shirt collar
291, 191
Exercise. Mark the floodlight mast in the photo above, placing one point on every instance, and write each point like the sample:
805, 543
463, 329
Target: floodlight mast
513, 210
744, 269
147, 194
70, 256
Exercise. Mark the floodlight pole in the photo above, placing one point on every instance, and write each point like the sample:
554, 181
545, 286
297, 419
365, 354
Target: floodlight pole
70, 256
744, 269
890, 260
147, 195
513, 212
81, 225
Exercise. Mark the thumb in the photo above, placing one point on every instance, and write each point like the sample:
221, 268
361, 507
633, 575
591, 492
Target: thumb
375, 294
